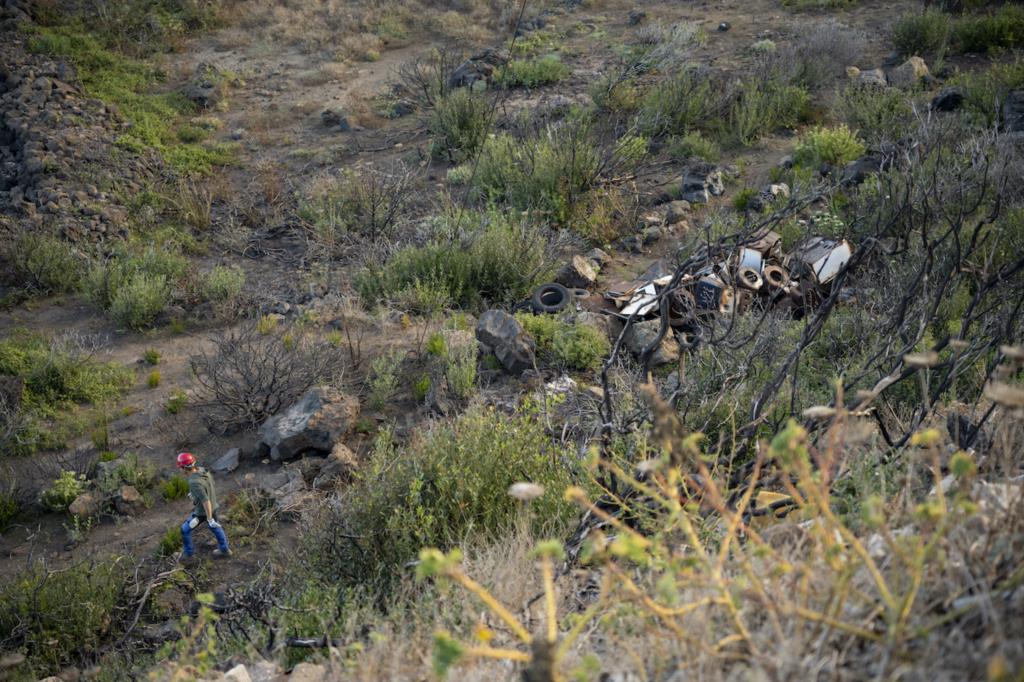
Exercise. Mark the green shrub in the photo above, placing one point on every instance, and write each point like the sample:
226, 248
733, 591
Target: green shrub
693, 145
135, 287
985, 90
421, 388
763, 107
176, 403
10, 507
686, 102
223, 284
835, 146
923, 33
57, 617
130, 470
370, 203
743, 198
531, 73
174, 488
63, 492
151, 356
567, 345
460, 357
139, 300
56, 377
153, 380
450, 483
171, 542
877, 114
458, 124
499, 261
436, 344
383, 378
45, 264
553, 171
1001, 30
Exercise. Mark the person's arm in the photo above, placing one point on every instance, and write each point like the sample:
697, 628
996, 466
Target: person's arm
208, 508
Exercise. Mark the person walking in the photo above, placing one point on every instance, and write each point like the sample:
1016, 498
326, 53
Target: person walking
204, 498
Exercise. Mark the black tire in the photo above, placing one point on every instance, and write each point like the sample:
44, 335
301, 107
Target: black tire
580, 293
550, 298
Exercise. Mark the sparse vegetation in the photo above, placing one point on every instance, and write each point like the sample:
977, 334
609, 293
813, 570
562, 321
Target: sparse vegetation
63, 492
383, 379
877, 114
923, 33
174, 488
458, 124
834, 146
153, 380
567, 345
493, 258
532, 73
451, 483
45, 264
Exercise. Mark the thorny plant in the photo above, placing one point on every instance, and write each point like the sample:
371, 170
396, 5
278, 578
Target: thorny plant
722, 582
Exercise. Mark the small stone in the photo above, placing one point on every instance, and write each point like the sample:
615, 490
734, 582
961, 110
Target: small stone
874, 77
724, 26
852, 72
84, 506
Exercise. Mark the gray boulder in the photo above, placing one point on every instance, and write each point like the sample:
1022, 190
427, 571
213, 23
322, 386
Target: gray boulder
948, 99
320, 418
341, 463
227, 462
207, 86
84, 506
286, 487
909, 73
701, 182
503, 334
640, 335
874, 77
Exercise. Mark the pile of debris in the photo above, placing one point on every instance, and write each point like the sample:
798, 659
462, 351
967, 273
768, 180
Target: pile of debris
757, 273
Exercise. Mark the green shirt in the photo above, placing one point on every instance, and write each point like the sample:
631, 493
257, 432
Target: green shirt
200, 489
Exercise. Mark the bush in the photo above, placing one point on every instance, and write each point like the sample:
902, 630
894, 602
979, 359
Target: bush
450, 483
986, 89
568, 345
369, 203
693, 145
59, 496
499, 261
151, 356
130, 470
686, 102
817, 57
136, 287
532, 73
223, 284
834, 146
171, 542
153, 380
1003, 29
46, 381
763, 107
458, 124
56, 617
10, 506
176, 403
923, 33
248, 376
45, 264
139, 300
877, 114
554, 171
174, 488
383, 378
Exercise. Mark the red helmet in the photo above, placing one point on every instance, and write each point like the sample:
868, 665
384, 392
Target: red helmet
186, 460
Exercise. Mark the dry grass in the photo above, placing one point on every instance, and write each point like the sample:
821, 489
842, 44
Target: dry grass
364, 28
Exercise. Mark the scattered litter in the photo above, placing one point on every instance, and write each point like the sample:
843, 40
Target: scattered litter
756, 273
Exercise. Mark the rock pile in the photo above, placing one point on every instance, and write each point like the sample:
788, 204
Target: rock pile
57, 160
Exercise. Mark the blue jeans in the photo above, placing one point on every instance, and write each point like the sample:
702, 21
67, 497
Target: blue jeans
186, 535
